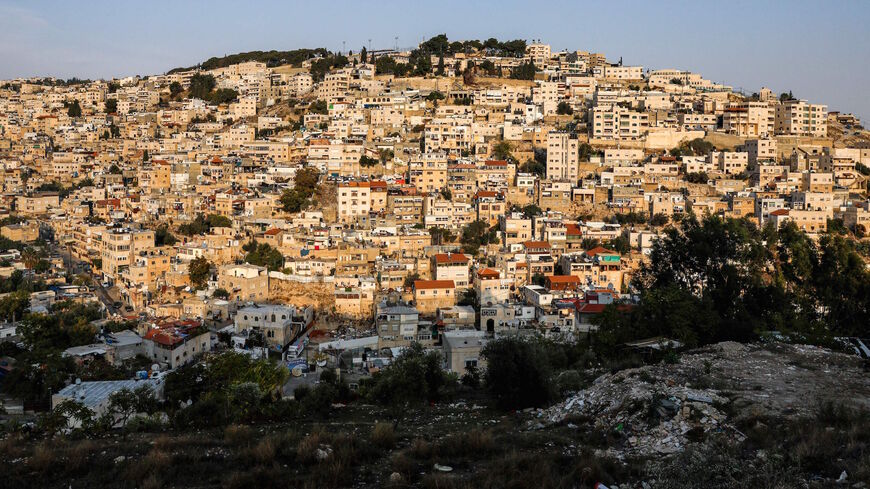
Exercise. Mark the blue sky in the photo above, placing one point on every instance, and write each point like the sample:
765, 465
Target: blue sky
818, 49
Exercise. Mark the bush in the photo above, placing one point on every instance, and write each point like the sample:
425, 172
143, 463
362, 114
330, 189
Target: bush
518, 373
384, 435
414, 377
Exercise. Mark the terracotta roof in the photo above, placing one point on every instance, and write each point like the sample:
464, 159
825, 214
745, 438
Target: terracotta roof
591, 308
272, 232
536, 244
433, 284
451, 258
355, 185
779, 212
495, 163
563, 279
600, 250
488, 273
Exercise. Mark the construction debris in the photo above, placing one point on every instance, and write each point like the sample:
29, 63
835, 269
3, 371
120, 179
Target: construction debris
659, 409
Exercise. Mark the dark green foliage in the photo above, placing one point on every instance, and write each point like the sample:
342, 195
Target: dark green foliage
74, 109
298, 198
477, 234
414, 377
386, 65
518, 373
322, 66
201, 86
695, 147
199, 270
531, 211
261, 254
271, 58
659, 220
629, 218
111, 106
725, 279
367, 161
502, 151
533, 167
697, 177
162, 236
525, 71
202, 224
564, 108
318, 107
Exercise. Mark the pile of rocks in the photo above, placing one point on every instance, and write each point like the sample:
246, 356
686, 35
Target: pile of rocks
651, 415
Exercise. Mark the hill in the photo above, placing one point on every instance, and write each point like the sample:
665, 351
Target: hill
729, 415
271, 58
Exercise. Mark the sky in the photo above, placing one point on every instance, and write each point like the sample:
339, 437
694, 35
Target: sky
818, 49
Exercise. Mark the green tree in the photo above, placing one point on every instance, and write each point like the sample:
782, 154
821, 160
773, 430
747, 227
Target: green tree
564, 108
525, 71
74, 109
502, 151
261, 254
201, 86
318, 107
518, 374
111, 106
162, 236
414, 377
477, 234
199, 271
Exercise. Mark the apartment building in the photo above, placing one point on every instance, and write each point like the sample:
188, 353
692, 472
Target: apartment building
749, 119
759, 150
799, 118
120, 247
453, 267
613, 122
563, 157
279, 324
429, 172
431, 295
538, 53
354, 201
244, 282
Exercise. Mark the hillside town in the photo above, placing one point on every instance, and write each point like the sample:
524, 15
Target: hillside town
330, 211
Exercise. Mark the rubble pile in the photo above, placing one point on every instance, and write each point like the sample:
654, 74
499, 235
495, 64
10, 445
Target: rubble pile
658, 409
651, 416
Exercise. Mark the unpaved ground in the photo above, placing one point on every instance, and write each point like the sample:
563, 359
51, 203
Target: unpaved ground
660, 409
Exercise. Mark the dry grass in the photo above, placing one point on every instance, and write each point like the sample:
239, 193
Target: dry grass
238, 434
152, 463
152, 482
12, 446
384, 435
306, 448
472, 444
78, 454
264, 452
44, 457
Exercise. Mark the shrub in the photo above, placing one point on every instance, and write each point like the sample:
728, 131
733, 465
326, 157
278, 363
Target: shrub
235, 434
384, 435
518, 373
